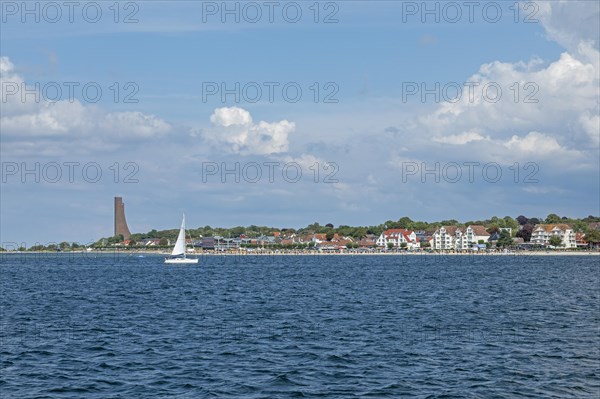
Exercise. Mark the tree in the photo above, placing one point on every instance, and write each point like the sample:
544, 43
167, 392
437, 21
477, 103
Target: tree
329, 235
493, 229
593, 237
329, 225
522, 220
115, 239
525, 232
403, 245
405, 223
390, 245
132, 242
511, 223
555, 241
163, 242
505, 239
553, 219
451, 222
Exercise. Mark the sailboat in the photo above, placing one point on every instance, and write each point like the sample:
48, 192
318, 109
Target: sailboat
179, 256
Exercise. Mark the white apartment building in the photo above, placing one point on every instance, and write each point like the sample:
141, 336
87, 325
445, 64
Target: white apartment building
543, 232
457, 238
397, 237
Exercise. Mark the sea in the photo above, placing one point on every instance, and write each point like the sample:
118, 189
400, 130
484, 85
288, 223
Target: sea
128, 326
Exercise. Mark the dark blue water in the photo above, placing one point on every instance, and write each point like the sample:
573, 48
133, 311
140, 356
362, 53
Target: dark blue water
278, 327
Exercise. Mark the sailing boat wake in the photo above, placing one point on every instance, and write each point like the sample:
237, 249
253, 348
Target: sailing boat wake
179, 256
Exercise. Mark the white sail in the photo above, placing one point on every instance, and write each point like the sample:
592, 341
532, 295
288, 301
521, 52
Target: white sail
179, 248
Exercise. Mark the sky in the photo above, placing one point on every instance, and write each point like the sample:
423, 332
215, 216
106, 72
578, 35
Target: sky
289, 113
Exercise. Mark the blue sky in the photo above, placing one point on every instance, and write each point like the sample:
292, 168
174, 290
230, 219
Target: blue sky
378, 136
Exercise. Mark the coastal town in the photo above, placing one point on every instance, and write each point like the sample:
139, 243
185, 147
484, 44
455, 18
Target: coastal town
406, 235
472, 238
493, 235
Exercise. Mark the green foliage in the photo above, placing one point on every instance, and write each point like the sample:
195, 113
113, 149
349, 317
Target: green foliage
494, 228
115, 239
555, 241
355, 232
505, 239
593, 236
390, 245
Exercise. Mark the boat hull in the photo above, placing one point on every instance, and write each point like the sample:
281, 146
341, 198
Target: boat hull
181, 261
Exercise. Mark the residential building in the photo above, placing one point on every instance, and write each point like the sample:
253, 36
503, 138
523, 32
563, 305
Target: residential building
444, 238
458, 238
476, 233
397, 237
543, 232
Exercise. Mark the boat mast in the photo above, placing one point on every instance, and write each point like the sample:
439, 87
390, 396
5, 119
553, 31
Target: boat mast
184, 243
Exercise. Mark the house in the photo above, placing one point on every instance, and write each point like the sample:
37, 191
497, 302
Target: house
205, 243
368, 241
493, 240
423, 235
458, 238
580, 240
397, 237
542, 233
264, 240
476, 233
444, 238
151, 242
318, 238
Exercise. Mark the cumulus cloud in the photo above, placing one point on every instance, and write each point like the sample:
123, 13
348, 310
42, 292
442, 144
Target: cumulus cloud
231, 116
235, 129
559, 98
29, 117
534, 143
570, 23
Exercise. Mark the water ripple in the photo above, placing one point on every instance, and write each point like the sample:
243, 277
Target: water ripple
307, 327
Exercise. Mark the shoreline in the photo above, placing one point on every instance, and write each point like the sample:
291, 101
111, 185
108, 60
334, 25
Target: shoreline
316, 253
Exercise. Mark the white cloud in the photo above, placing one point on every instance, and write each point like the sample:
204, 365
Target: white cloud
30, 117
235, 129
5, 66
570, 23
559, 98
591, 125
459, 139
536, 143
231, 116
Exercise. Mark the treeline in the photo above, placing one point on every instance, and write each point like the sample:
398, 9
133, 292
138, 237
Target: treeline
521, 226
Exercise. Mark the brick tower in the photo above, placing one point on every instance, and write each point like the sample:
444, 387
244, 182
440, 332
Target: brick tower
120, 222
